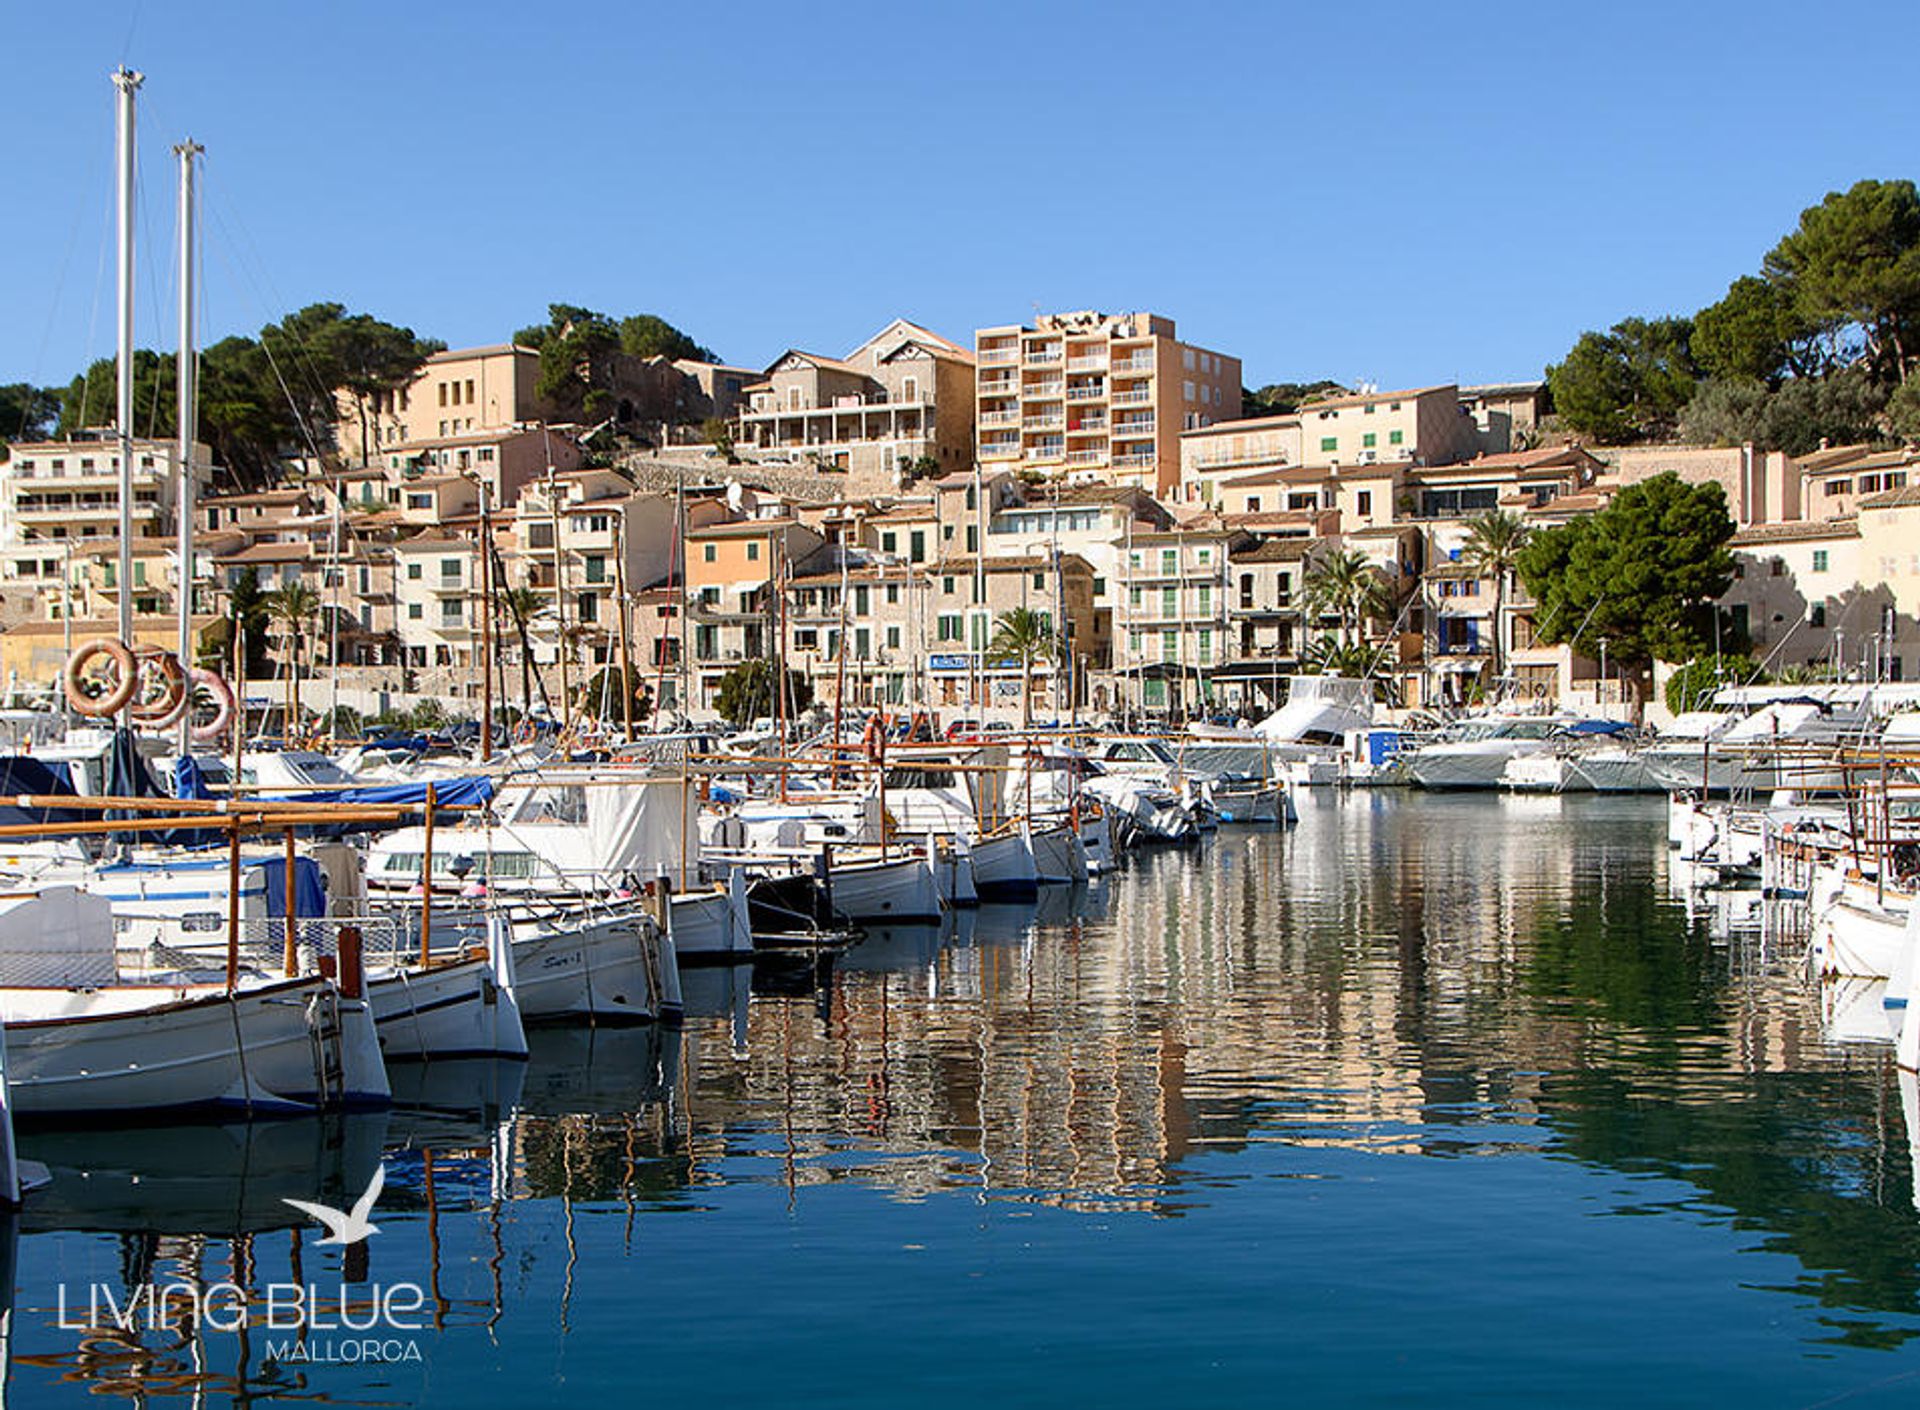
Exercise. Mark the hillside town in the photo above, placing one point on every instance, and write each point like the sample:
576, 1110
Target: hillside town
870, 516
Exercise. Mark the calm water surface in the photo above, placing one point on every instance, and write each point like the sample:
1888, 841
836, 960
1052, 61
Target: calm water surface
1433, 1098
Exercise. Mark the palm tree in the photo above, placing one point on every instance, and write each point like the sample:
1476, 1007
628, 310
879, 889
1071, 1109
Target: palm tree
1492, 549
1028, 636
1346, 585
293, 605
523, 604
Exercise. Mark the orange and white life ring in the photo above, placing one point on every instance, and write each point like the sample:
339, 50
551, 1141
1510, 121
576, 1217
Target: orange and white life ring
172, 703
126, 680
870, 741
224, 705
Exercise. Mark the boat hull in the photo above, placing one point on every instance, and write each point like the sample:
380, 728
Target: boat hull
457, 1010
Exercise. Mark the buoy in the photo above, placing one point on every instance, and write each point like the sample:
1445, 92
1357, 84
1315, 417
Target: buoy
223, 705
126, 682
173, 703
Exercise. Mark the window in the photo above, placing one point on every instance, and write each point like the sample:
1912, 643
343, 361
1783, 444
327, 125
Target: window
589, 607
709, 552
860, 600
1169, 562
1205, 556
889, 542
1206, 645
1187, 389
1394, 438
451, 609
1169, 646
1039, 580
753, 551
893, 638
1133, 597
1369, 439
973, 538
469, 391
1817, 615
1169, 602
893, 594
949, 626
1329, 443
413, 572
443, 402
1206, 598
449, 570
1099, 587
917, 547
596, 569
1835, 488
946, 585
1363, 503
1819, 565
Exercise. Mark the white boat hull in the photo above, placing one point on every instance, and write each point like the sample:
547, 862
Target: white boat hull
448, 1011
601, 970
279, 1048
900, 891
1004, 870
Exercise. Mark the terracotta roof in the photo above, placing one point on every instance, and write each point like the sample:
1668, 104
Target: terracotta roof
1249, 423
1360, 398
263, 497
831, 364
491, 350
1892, 499
1012, 563
270, 553
742, 528
1523, 459
1845, 528
1274, 551
1829, 457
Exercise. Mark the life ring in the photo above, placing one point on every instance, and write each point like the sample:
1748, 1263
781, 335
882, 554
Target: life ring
870, 740
167, 710
126, 682
223, 705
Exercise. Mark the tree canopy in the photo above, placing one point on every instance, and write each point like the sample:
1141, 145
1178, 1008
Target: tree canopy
1629, 383
1851, 269
578, 348
1641, 575
1285, 398
746, 692
26, 412
266, 398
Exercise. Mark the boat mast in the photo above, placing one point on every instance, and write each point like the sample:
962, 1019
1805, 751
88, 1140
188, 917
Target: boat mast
186, 375
126, 83
486, 624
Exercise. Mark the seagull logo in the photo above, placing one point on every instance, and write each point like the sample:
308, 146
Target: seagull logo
350, 1228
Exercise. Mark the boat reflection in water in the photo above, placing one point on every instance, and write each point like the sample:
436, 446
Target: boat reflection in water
1298, 1032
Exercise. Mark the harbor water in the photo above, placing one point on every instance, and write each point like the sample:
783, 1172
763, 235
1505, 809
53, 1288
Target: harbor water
1430, 1098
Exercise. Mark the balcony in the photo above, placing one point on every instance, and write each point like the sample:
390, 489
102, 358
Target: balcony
1040, 391
1047, 421
1087, 457
1135, 461
999, 418
1141, 397
1094, 363
1043, 354
1137, 426
1087, 392
1004, 385
1046, 450
998, 356
1088, 426
1136, 363
996, 450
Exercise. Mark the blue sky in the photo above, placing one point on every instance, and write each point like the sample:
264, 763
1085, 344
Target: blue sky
1402, 193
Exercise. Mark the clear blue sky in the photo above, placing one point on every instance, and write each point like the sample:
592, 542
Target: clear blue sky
1405, 193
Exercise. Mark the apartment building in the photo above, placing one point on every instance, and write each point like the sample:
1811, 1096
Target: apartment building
54, 493
457, 392
1266, 621
1229, 451
903, 397
1426, 425
436, 591
1507, 415
1095, 396
504, 458
880, 613
576, 540
970, 595
1091, 521
1172, 634
731, 576
1889, 648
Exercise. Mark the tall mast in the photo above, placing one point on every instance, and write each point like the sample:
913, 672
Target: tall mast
126, 83
186, 378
